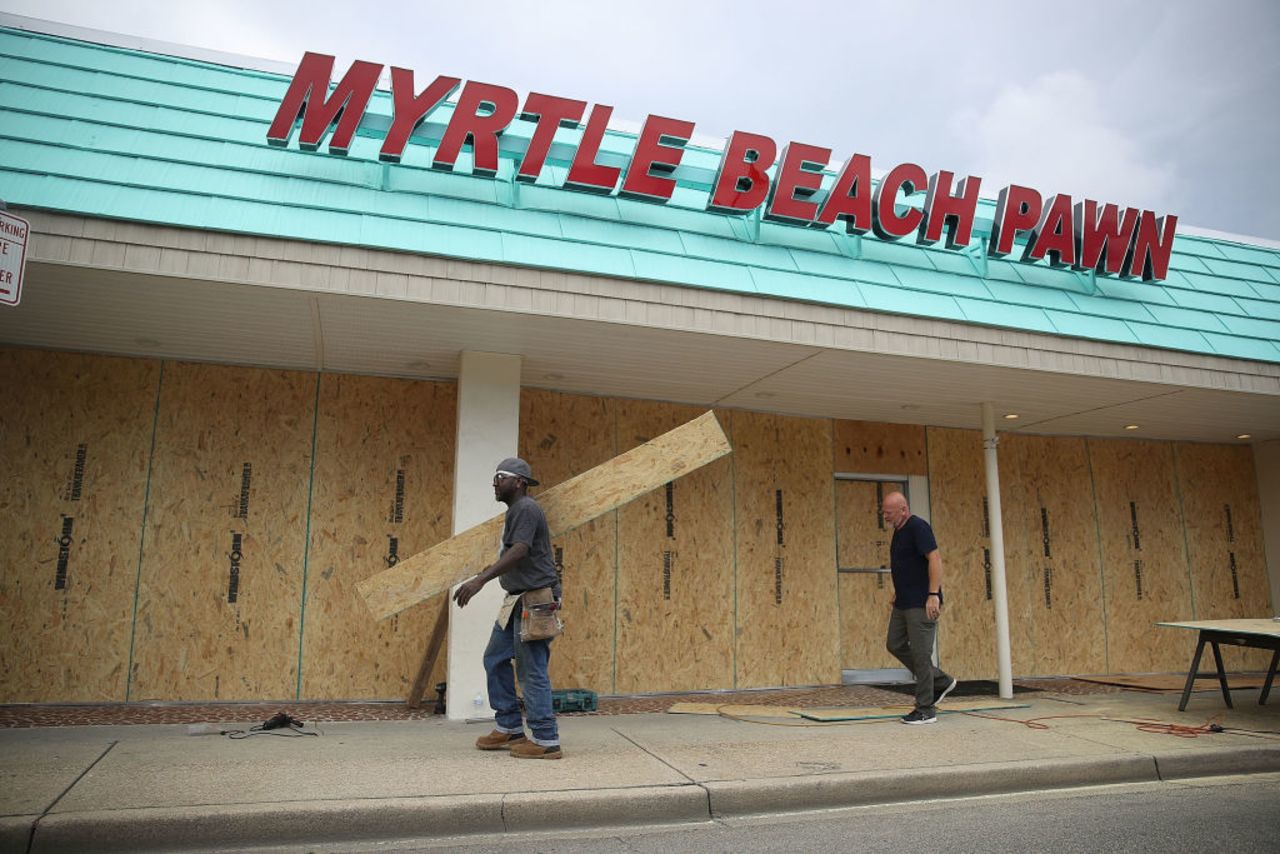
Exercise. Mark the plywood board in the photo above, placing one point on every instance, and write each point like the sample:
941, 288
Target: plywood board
862, 536
1053, 563
383, 491
75, 438
221, 577
675, 569
869, 447
1143, 552
741, 710
567, 505
1218, 486
865, 605
862, 541
873, 712
957, 498
563, 435
787, 631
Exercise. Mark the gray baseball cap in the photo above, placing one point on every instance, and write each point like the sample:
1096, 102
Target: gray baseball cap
519, 468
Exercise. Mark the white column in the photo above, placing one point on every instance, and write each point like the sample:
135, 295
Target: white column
1266, 461
488, 432
1004, 664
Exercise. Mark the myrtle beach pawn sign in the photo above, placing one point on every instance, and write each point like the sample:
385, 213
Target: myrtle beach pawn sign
13, 256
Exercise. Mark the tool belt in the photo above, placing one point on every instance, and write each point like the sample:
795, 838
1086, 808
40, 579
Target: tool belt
539, 615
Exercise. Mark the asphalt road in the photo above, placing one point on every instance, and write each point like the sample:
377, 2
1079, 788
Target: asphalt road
1240, 815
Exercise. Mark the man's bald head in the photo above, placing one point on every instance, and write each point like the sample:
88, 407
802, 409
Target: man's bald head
894, 509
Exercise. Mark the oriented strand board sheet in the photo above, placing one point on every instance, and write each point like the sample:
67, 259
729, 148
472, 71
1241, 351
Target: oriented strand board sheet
1223, 521
956, 706
867, 447
862, 535
864, 621
561, 436
957, 497
862, 540
221, 578
742, 710
1144, 554
383, 491
786, 564
675, 569
567, 505
1051, 539
75, 438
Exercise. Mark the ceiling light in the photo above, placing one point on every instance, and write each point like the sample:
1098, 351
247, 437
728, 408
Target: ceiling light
553, 376
146, 342
1131, 426
1011, 416
910, 407
1245, 436
418, 365
765, 395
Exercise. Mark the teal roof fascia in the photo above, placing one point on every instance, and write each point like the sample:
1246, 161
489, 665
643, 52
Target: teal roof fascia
1259, 308
1086, 326
118, 133
994, 313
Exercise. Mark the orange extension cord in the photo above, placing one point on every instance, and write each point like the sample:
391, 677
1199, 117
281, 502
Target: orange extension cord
1209, 727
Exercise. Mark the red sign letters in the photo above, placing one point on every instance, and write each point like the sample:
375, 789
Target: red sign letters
1084, 235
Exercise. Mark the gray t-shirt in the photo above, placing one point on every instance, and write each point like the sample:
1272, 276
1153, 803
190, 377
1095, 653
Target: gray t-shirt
526, 523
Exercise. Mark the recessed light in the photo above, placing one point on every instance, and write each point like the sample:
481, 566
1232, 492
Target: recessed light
418, 365
1245, 436
910, 407
1131, 426
765, 395
1011, 416
146, 342
553, 376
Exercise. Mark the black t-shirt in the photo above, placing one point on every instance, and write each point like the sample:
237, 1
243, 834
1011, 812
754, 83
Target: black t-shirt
525, 523
910, 567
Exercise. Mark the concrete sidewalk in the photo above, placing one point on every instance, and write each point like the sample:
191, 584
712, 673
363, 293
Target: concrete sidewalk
154, 787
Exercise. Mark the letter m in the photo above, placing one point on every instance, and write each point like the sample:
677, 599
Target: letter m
306, 100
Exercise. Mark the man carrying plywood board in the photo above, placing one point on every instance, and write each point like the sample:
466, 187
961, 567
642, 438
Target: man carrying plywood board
527, 572
566, 506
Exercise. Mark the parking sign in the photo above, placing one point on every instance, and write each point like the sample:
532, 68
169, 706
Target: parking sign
13, 256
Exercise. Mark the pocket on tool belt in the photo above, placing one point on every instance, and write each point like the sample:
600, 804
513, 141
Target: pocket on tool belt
539, 615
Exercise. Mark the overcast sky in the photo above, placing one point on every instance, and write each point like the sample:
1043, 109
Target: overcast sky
1172, 106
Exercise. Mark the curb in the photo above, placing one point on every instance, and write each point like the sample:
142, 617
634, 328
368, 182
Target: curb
753, 797
315, 822
310, 822
282, 823
1181, 764
583, 808
15, 831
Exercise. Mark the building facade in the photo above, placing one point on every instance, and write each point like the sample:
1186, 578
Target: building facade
244, 375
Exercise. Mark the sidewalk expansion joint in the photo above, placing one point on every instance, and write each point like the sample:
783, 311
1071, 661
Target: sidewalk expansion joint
31, 837
656, 756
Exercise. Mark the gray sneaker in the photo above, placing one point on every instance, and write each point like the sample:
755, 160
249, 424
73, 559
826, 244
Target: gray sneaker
918, 717
945, 691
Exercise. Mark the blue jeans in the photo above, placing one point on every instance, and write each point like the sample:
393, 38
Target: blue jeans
531, 668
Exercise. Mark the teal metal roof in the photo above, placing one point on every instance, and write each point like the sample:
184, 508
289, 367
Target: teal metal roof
109, 132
